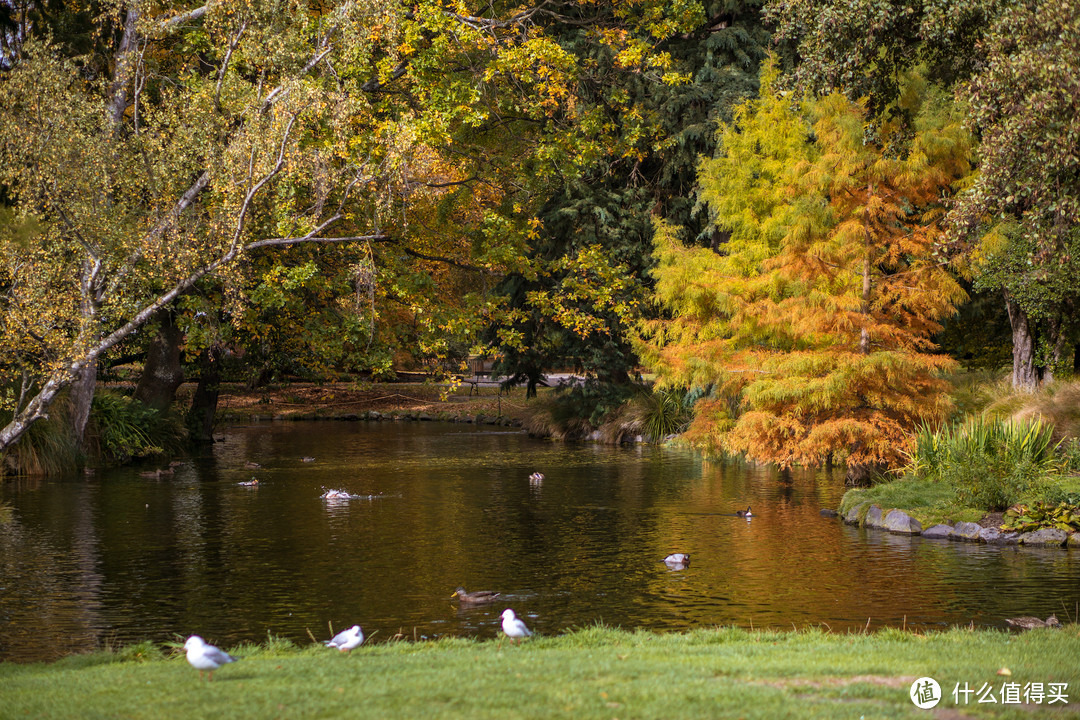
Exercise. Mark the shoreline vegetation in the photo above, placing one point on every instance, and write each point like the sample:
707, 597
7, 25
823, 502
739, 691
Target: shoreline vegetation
593, 672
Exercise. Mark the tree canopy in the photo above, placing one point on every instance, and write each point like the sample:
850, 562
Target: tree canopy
812, 325
1013, 67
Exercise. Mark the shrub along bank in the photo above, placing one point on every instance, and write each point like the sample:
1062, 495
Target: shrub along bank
1004, 475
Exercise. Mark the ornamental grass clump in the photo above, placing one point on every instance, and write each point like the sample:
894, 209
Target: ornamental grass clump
991, 463
123, 429
665, 412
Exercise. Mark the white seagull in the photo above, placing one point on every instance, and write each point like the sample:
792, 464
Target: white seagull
513, 626
206, 657
347, 640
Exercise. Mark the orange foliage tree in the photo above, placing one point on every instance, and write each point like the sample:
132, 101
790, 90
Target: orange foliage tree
812, 326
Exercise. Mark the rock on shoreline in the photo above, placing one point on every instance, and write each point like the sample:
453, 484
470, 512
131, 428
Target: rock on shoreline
899, 522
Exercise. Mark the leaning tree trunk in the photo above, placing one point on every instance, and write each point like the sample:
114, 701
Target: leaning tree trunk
200, 419
163, 372
1025, 375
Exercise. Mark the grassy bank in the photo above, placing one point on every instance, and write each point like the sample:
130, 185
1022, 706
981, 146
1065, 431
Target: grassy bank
592, 673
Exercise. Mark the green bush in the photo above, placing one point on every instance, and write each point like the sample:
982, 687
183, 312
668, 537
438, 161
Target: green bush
579, 407
1069, 452
124, 428
991, 463
1065, 490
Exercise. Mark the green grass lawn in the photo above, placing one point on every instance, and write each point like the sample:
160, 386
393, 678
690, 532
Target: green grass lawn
591, 673
927, 501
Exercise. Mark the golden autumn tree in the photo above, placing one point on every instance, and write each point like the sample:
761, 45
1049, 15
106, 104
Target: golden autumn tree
816, 337
188, 142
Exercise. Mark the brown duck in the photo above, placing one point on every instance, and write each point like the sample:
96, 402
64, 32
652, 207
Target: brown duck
1028, 623
475, 598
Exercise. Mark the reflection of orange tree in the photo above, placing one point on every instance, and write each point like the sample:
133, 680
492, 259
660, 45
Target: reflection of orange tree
785, 566
816, 323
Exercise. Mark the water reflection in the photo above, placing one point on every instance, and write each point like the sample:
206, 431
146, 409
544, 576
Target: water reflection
431, 507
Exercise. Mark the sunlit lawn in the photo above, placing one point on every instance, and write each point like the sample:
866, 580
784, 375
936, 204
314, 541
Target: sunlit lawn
592, 673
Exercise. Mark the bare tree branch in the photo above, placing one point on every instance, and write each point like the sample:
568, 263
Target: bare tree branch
170, 218
225, 63
190, 15
277, 242
435, 258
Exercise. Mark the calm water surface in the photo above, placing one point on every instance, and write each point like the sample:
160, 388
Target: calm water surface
121, 558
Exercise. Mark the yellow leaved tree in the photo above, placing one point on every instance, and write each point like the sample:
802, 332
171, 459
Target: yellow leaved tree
811, 327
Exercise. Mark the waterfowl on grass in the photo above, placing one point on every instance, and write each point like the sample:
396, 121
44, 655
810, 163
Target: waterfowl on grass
1027, 622
513, 626
347, 640
475, 598
205, 657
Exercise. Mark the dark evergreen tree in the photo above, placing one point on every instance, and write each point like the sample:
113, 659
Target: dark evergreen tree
594, 249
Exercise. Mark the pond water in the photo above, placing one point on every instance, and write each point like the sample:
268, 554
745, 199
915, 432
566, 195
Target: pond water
120, 558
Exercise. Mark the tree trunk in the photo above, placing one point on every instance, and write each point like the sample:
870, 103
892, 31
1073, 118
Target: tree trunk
1056, 340
867, 285
82, 397
163, 372
200, 419
862, 474
1025, 375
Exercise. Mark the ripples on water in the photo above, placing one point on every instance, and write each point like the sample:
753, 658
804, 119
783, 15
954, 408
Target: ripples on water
119, 558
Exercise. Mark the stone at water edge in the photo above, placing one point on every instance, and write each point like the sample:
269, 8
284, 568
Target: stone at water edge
1074, 540
1046, 537
967, 531
873, 518
852, 517
898, 521
826, 512
1007, 537
939, 532
995, 536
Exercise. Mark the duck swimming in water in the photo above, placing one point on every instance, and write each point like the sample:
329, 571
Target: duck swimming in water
677, 559
475, 598
744, 513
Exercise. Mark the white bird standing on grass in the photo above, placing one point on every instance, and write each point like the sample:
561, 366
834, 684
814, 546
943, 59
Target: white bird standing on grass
347, 640
205, 657
513, 626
